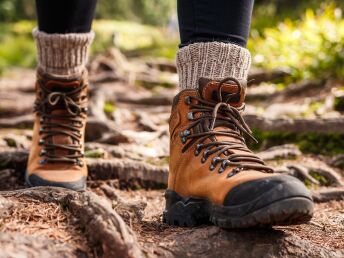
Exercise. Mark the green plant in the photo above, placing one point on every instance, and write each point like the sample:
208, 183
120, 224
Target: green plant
311, 47
317, 143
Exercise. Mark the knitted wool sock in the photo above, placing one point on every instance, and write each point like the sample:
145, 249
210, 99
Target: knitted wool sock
213, 60
62, 54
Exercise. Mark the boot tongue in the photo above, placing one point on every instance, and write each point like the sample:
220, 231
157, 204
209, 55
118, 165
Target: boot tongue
62, 86
208, 90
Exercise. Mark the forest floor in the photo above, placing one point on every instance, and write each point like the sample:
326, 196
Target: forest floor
127, 145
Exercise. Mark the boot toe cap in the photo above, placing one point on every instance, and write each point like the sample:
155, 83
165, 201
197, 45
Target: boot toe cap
35, 180
262, 192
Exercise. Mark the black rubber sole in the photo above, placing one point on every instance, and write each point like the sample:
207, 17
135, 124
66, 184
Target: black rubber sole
34, 180
190, 212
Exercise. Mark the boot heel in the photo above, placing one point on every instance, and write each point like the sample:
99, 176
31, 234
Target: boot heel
185, 212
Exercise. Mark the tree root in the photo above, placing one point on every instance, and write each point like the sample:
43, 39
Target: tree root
104, 228
125, 169
337, 161
318, 125
129, 211
258, 75
99, 169
329, 194
312, 175
287, 151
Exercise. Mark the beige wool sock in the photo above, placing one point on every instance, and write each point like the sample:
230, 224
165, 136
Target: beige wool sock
213, 60
62, 54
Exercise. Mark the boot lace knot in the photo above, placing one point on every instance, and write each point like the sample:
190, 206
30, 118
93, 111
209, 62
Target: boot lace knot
213, 120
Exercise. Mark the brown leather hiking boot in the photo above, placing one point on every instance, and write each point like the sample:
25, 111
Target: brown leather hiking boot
214, 176
56, 156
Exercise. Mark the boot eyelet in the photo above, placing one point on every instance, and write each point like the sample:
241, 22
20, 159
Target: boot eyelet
234, 171
190, 116
187, 100
230, 174
183, 139
42, 153
79, 163
198, 148
42, 161
185, 133
41, 119
223, 166
41, 130
213, 163
215, 159
205, 156
41, 142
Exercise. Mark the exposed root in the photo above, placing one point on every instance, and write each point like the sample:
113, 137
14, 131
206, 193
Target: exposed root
104, 228
329, 194
312, 175
287, 151
300, 125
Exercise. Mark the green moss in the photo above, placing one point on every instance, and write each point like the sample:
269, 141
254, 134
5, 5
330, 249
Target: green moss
317, 143
11, 142
109, 108
94, 154
308, 183
320, 178
158, 161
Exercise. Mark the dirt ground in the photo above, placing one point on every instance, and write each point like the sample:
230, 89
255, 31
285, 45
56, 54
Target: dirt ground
127, 146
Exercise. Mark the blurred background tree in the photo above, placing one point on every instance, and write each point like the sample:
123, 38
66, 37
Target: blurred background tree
154, 12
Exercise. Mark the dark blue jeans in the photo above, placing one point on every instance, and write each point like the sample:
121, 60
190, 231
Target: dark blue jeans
199, 20
65, 16
214, 20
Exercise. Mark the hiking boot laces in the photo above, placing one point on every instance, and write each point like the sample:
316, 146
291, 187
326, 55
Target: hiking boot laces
69, 124
211, 115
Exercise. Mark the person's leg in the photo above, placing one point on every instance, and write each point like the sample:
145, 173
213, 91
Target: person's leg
213, 39
213, 175
65, 16
217, 20
63, 38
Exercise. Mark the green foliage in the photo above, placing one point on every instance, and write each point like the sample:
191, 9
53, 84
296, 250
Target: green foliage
317, 143
126, 35
311, 47
153, 12
16, 46
13, 10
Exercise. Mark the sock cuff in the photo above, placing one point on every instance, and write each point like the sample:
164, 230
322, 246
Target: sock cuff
62, 54
214, 60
